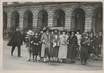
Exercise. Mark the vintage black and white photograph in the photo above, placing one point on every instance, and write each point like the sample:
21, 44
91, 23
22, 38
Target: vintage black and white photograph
53, 36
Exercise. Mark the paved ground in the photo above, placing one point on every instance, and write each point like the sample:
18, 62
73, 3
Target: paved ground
14, 63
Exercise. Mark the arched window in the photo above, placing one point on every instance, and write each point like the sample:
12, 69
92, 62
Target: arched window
78, 20
14, 20
42, 19
97, 20
59, 18
4, 21
28, 20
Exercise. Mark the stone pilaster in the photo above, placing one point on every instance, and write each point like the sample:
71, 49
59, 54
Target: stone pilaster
8, 21
50, 18
21, 15
68, 18
35, 17
88, 19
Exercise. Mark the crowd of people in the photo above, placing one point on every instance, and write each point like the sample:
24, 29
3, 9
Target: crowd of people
55, 46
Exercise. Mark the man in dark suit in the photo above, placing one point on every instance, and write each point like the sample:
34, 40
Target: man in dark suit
16, 41
73, 47
85, 47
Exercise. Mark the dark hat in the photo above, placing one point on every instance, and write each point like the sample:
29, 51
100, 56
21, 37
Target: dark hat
64, 30
51, 30
72, 32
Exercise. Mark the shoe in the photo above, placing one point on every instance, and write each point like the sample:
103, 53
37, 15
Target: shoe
72, 62
11, 54
28, 59
19, 56
33, 60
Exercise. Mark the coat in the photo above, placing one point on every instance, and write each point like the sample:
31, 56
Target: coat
35, 43
72, 47
16, 39
55, 45
85, 47
45, 39
63, 47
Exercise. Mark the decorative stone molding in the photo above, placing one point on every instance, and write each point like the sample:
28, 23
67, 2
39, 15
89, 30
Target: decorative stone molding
67, 8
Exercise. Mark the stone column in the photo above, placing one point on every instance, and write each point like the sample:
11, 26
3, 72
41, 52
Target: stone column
21, 15
88, 19
8, 21
35, 17
68, 16
50, 17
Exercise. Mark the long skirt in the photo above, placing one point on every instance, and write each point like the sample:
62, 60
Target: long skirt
40, 46
43, 50
62, 52
72, 52
51, 50
35, 50
47, 52
55, 51
84, 52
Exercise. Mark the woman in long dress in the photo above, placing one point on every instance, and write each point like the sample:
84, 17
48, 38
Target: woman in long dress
55, 45
51, 45
35, 43
29, 38
43, 40
62, 55
79, 37
45, 51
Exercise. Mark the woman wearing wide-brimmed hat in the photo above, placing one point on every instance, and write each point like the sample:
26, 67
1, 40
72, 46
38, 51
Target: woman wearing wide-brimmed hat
45, 39
55, 45
62, 55
29, 38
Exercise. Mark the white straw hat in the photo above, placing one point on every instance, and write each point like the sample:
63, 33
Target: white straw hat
30, 32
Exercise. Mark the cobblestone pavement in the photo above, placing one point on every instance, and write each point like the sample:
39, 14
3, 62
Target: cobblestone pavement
14, 63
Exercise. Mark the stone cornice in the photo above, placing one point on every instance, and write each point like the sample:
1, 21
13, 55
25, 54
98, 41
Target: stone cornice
53, 4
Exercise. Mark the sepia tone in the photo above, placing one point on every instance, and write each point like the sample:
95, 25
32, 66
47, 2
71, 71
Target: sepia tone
69, 16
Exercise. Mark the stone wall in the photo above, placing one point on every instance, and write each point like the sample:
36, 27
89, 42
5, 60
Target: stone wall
67, 8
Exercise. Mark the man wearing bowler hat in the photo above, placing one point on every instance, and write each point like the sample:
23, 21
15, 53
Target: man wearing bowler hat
16, 41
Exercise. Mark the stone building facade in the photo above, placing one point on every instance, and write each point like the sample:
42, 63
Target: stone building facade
83, 16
